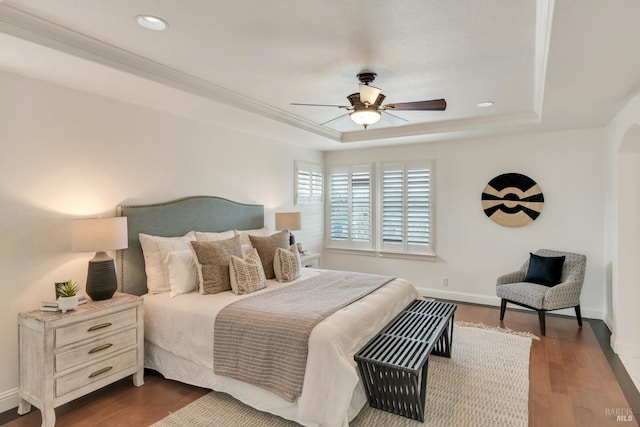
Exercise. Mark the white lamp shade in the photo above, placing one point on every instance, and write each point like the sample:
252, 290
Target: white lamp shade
99, 234
369, 94
288, 221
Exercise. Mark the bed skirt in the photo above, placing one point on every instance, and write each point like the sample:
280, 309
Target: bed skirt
176, 368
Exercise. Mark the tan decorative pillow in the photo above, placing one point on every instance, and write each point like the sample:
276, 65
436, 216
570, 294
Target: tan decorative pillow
287, 264
267, 246
212, 261
247, 275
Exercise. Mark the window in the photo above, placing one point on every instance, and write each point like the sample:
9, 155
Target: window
402, 222
406, 208
309, 183
350, 207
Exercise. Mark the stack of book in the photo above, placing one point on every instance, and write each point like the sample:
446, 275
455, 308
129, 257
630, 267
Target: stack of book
53, 305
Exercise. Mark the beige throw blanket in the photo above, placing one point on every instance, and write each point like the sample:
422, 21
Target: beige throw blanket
263, 339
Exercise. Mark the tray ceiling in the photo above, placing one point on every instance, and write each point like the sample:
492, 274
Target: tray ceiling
259, 57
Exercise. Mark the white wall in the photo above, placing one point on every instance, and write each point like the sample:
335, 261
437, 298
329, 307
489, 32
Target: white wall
473, 250
67, 153
623, 228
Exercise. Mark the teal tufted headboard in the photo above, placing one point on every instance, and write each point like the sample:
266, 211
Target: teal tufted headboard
176, 218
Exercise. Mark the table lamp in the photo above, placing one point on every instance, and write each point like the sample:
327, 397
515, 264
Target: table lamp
289, 221
100, 235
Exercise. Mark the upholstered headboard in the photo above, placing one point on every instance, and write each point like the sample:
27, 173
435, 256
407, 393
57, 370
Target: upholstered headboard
176, 218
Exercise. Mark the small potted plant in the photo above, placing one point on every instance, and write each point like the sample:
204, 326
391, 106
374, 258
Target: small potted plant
67, 295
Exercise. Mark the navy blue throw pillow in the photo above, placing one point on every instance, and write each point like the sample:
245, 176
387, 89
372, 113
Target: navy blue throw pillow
544, 270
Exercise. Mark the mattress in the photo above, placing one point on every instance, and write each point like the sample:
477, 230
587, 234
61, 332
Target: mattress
179, 345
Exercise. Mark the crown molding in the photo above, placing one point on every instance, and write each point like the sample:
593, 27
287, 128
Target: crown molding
23, 25
18, 23
445, 126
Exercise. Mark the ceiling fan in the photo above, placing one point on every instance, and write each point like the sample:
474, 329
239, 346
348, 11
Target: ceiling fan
366, 105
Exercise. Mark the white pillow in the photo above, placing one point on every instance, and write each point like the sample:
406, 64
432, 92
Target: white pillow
155, 250
212, 237
182, 272
244, 234
287, 264
247, 275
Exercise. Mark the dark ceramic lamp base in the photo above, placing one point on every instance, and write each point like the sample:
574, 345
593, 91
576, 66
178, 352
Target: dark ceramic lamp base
101, 277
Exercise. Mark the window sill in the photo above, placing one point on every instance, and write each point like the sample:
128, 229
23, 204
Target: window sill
381, 254
351, 251
400, 255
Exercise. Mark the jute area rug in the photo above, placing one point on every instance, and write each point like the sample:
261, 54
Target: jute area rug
485, 383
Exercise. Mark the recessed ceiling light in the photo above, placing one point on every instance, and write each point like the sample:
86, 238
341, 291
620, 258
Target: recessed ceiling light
151, 22
485, 104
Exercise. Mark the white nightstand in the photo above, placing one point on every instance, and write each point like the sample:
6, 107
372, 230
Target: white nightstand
310, 261
65, 356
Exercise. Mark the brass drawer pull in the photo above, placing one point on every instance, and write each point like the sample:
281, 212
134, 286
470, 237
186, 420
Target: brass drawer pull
100, 326
100, 371
100, 348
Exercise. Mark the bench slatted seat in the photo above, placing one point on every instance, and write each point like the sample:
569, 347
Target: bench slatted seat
393, 364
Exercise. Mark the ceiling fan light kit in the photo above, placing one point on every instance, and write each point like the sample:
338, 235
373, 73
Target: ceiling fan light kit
366, 105
365, 117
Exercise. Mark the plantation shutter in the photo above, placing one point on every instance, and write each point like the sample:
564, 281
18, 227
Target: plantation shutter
350, 206
392, 205
309, 183
317, 183
361, 204
339, 205
406, 207
418, 208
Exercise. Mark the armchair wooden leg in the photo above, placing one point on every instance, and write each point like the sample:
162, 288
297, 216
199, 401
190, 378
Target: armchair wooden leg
503, 307
541, 314
578, 315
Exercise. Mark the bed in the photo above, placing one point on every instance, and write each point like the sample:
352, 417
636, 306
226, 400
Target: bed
179, 330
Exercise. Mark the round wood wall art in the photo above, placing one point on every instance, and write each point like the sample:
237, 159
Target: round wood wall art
512, 200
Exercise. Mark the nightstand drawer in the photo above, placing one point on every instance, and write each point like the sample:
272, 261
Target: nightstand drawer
310, 261
311, 264
95, 349
90, 328
82, 377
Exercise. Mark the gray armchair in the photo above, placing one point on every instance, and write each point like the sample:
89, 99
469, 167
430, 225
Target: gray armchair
512, 288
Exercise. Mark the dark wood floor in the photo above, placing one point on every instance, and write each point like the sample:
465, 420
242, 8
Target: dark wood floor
572, 383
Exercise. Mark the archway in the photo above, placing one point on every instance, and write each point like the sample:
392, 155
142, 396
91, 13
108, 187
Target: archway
626, 284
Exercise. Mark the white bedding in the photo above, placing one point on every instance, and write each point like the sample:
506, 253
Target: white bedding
179, 335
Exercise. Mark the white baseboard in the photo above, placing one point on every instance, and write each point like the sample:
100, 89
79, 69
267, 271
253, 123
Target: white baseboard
625, 347
608, 320
8, 400
495, 301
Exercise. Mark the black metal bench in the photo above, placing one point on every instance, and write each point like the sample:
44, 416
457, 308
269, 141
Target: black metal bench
393, 364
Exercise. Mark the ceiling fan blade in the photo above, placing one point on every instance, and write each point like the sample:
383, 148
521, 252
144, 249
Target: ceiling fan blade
334, 119
433, 105
322, 105
369, 94
392, 119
